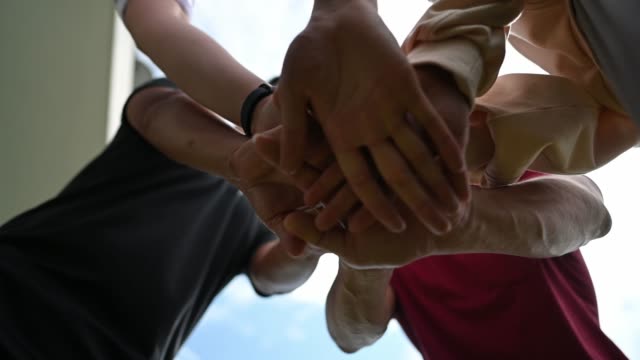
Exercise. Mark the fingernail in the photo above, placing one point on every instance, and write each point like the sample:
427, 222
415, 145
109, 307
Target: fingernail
442, 228
288, 170
453, 206
398, 227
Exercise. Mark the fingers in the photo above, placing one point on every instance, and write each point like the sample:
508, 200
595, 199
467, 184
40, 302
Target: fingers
268, 146
438, 132
403, 182
293, 245
361, 220
461, 187
356, 169
301, 225
415, 150
325, 185
318, 153
293, 107
338, 208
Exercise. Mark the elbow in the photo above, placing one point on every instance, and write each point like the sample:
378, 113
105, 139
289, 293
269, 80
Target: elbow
353, 343
347, 348
557, 244
605, 225
143, 107
352, 338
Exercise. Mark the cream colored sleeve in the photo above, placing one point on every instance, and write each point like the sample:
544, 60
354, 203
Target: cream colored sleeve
569, 122
546, 123
465, 37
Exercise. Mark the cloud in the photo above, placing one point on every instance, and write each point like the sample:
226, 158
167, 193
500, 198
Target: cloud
187, 354
393, 327
240, 292
216, 313
411, 353
295, 333
315, 290
401, 19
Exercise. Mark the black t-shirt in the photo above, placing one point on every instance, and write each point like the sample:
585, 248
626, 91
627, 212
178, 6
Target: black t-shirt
125, 260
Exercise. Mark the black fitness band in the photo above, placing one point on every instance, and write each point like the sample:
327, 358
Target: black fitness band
249, 105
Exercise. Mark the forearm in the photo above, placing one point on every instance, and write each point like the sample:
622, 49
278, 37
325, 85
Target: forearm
189, 57
510, 135
359, 307
183, 130
466, 38
274, 271
321, 5
545, 217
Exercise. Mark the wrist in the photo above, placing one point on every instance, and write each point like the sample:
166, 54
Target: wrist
432, 77
333, 10
249, 107
263, 116
440, 88
367, 277
470, 234
338, 4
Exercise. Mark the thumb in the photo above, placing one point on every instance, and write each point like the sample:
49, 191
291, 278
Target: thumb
301, 225
268, 146
294, 246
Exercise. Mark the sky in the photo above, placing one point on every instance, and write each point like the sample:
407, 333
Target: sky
241, 325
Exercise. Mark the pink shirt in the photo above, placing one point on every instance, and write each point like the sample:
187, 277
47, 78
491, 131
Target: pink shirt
487, 306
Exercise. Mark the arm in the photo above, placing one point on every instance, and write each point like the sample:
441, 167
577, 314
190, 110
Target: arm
187, 133
274, 271
546, 123
544, 217
199, 65
540, 218
348, 68
359, 307
465, 37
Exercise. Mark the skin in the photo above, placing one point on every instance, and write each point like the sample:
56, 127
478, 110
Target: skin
448, 101
559, 215
188, 133
538, 218
361, 96
366, 91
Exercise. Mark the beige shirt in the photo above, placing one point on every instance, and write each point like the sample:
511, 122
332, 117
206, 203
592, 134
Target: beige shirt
568, 122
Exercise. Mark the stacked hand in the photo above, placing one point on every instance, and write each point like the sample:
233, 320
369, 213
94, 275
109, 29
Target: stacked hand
453, 107
388, 139
272, 193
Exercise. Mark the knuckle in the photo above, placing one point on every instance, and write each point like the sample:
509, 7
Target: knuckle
361, 179
424, 209
400, 180
419, 156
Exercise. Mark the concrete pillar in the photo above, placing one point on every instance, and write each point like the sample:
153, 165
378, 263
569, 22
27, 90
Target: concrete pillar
60, 82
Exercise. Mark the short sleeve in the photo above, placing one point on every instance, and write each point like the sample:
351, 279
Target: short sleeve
120, 6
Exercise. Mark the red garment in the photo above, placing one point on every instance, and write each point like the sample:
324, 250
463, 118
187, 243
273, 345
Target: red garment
488, 306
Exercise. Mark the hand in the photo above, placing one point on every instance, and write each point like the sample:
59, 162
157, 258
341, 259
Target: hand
266, 116
272, 193
453, 107
349, 69
379, 248
318, 155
